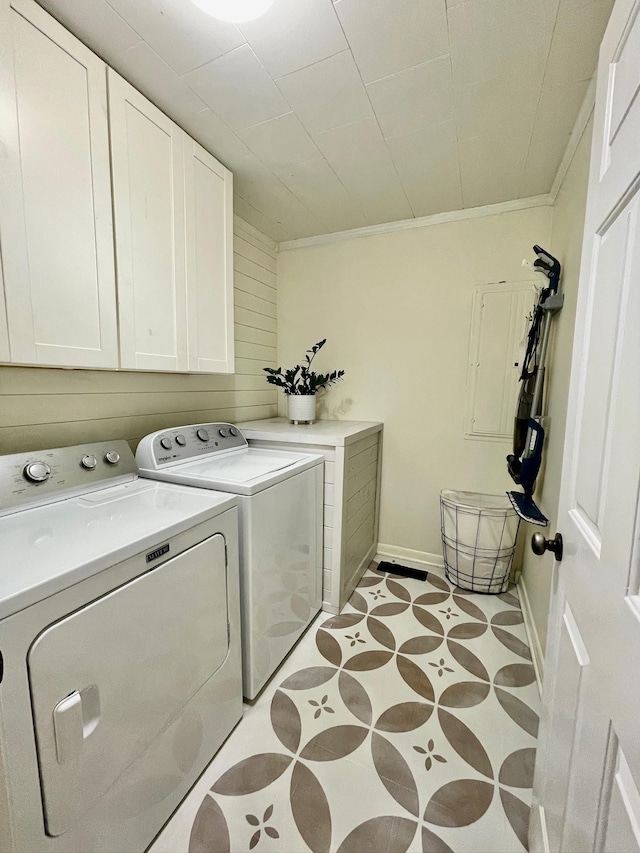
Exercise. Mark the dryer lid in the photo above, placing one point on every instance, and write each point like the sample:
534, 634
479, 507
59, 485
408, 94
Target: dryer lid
48, 548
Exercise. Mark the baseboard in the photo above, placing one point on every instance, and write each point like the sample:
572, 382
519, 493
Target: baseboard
410, 558
532, 632
538, 838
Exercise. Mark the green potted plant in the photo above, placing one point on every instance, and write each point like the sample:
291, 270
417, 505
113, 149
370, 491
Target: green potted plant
301, 384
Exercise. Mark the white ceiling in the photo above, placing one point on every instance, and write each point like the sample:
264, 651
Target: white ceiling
335, 114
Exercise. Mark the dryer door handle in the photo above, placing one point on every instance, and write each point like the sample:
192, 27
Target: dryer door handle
75, 718
67, 727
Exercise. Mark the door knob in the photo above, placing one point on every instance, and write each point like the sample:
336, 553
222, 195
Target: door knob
539, 545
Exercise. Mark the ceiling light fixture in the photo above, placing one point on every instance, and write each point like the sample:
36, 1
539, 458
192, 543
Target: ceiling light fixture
236, 11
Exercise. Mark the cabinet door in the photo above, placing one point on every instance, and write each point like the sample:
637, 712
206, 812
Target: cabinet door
148, 195
55, 209
209, 219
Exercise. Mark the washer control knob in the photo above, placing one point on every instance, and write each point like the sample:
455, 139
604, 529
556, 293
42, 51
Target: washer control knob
181, 440
89, 462
223, 432
112, 457
233, 431
36, 472
202, 434
165, 443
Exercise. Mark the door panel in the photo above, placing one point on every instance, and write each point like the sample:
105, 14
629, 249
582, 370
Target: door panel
613, 257
56, 220
209, 220
622, 817
107, 680
619, 128
148, 192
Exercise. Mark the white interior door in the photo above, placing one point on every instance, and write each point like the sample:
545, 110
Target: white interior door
148, 196
209, 220
586, 791
107, 681
55, 218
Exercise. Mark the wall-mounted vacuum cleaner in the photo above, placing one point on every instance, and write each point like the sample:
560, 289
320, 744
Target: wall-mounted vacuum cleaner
528, 434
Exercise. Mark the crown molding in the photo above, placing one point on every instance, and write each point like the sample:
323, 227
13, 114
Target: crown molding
582, 120
421, 222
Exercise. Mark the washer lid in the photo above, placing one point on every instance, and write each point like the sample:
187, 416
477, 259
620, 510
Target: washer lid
244, 466
49, 548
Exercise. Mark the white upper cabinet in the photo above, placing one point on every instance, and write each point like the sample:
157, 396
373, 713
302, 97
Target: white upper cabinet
56, 231
174, 241
65, 196
209, 227
147, 159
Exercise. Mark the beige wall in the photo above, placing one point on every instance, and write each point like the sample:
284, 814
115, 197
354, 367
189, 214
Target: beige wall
396, 309
42, 408
566, 244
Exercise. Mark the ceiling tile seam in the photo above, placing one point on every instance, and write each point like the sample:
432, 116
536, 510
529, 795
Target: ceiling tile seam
455, 107
124, 21
257, 58
375, 115
236, 194
202, 65
537, 111
131, 27
179, 76
310, 65
285, 188
153, 100
408, 68
355, 202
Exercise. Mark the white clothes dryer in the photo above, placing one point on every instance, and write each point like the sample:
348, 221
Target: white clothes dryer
280, 505
120, 667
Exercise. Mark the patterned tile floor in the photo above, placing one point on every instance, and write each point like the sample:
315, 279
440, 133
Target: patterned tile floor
406, 723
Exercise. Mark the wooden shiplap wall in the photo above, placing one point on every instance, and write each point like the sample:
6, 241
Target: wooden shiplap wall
50, 407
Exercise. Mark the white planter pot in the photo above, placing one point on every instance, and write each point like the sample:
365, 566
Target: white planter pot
301, 408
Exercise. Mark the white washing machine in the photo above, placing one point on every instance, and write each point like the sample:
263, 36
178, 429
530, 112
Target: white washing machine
120, 666
280, 502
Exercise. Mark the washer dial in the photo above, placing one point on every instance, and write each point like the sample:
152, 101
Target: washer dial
36, 472
89, 462
202, 434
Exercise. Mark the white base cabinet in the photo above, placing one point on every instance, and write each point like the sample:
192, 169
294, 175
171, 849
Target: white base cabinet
62, 194
352, 452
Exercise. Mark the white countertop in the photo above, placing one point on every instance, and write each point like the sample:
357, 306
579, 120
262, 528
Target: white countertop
332, 433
